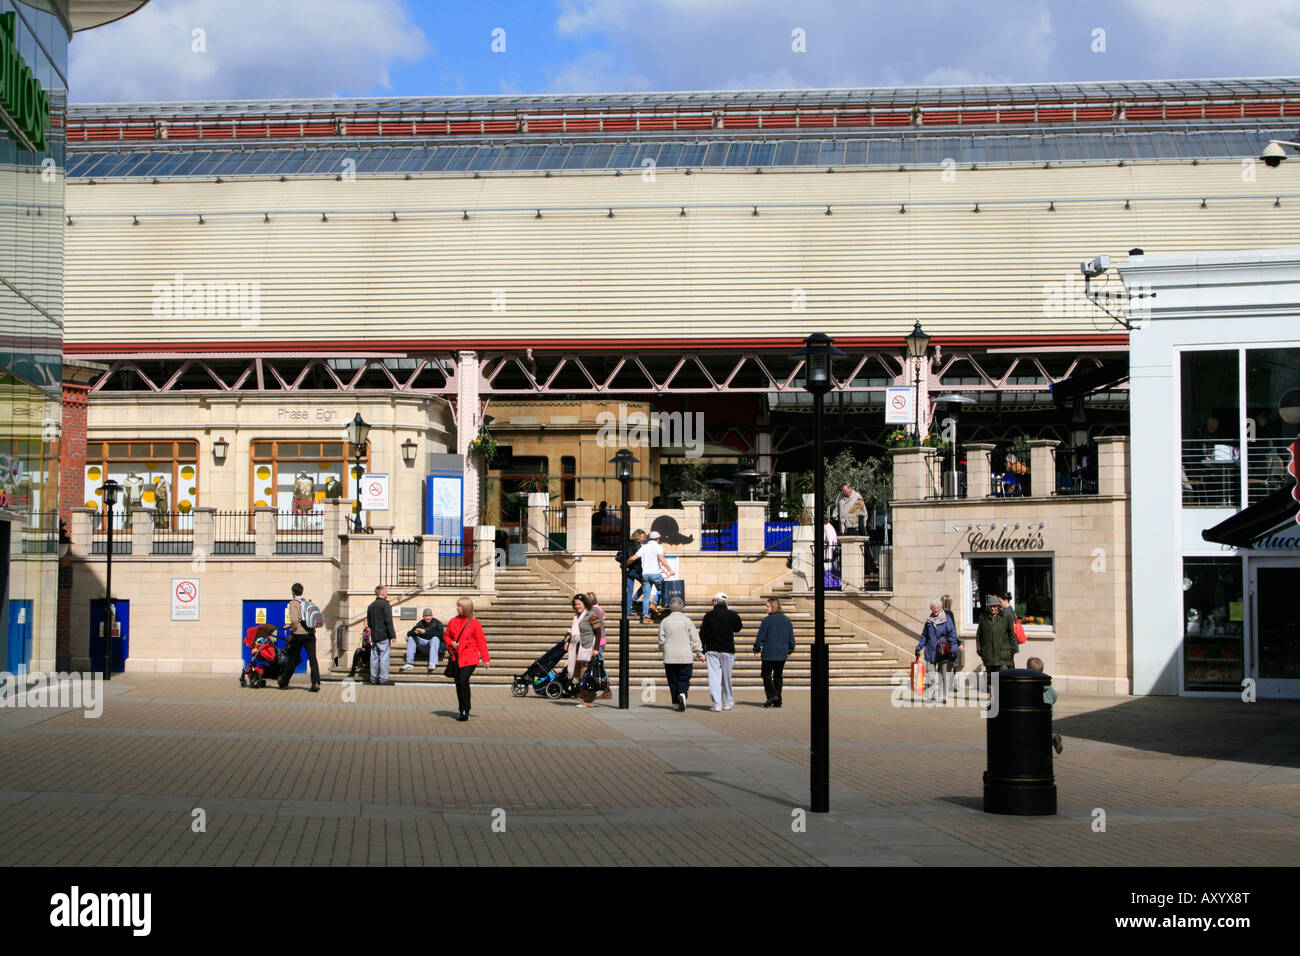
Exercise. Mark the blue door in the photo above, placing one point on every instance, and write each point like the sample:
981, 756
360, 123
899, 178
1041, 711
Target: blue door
269, 612
19, 655
121, 635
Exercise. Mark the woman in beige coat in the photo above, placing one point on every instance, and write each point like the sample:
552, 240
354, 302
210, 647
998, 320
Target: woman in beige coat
680, 643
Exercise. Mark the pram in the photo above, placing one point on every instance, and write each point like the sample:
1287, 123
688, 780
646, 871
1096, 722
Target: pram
267, 660
544, 677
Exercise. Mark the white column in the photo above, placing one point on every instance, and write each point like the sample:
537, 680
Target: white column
468, 423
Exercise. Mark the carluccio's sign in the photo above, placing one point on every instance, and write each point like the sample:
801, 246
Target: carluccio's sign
24, 104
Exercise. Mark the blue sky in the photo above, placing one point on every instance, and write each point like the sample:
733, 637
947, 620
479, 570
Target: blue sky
252, 49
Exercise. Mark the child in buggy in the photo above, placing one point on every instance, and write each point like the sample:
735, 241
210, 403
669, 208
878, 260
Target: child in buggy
543, 676
267, 660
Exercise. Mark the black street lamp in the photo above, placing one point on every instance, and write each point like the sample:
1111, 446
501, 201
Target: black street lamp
817, 353
358, 430
109, 490
918, 344
623, 461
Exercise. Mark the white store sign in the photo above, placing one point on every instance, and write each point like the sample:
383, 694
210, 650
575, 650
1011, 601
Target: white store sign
374, 493
185, 599
899, 406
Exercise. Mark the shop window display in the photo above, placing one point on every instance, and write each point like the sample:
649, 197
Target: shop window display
296, 478
1030, 581
161, 476
1212, 623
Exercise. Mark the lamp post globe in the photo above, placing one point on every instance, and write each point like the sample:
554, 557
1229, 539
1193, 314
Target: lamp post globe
623, 462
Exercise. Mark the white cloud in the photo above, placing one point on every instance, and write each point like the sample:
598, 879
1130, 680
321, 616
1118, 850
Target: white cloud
596, 72
255, 49
1238, 38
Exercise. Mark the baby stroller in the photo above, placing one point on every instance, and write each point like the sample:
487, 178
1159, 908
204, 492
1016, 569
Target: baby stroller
543, 676
268, 659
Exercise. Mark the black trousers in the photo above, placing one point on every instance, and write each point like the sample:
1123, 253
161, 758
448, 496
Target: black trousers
297, 643
463, 675
772, 671
679, 679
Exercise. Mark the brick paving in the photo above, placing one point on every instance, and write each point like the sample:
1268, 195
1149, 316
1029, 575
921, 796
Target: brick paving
389, 778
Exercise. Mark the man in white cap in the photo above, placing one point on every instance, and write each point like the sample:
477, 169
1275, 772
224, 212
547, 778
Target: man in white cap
653, 571
718, 633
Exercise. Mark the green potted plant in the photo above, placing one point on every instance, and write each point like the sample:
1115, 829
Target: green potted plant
483, 446
899, 438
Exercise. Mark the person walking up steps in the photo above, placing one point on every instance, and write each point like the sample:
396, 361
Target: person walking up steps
718, 633
774, 645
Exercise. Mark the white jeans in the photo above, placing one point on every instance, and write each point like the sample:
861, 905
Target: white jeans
720, 666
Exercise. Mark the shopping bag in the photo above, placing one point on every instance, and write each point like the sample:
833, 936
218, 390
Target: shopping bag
918, 677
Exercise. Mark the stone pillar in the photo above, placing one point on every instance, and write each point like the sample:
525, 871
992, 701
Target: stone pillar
426, 562
469, 421
636, 516
82, 531
802, 559
1112, 465
853, 569
912, 472
141, 532
577, 515
264, 531
537, 504
485, 565
205, 532
693, 523
979, 477
361, 561
334, 524
1042, 467
750, 517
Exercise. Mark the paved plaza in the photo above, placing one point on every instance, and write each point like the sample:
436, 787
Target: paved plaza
392, 778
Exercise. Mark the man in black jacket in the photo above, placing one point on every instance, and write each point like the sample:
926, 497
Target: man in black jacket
426, 635
379, 618
718, 633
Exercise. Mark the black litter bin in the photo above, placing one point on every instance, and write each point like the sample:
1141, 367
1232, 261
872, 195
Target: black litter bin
1019, 777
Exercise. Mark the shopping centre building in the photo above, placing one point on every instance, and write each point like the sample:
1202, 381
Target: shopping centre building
34, 39
516, 274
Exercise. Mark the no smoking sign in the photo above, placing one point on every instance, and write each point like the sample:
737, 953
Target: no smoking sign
185, 599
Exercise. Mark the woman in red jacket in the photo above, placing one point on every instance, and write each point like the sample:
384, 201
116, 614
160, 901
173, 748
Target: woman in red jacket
467, 647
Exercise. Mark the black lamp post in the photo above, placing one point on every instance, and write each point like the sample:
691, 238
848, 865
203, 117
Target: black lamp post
918, 344
623, 461
817, 353
358, 431
109, 490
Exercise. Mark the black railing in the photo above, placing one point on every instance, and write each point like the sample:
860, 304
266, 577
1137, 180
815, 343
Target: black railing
1266, 464
121, 533
878, 567
1076, 470
1008, 474
718, 527
606, 530
455, 565
943, 482
557, 534
300, 532
233, 533
41, 535
173, 533
399, 563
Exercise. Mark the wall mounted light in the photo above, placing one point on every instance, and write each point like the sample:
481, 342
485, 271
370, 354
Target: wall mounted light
408, 451
219, 449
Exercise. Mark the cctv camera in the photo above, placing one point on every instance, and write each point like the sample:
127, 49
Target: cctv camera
1273, 154
1095, 266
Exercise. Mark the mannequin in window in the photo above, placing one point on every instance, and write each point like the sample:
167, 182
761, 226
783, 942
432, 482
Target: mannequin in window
132, 496
161, 503
304, 499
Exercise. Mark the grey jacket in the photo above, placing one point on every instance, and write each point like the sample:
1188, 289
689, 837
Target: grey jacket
678, 639
587, 633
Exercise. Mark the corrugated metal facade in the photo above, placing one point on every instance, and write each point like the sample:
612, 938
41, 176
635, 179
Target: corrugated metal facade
647, 275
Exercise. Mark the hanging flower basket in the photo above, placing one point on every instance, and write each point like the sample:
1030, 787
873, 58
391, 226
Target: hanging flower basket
483, 446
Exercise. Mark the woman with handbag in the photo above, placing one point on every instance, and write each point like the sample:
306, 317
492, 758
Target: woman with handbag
584, 636
466, 649
939, 645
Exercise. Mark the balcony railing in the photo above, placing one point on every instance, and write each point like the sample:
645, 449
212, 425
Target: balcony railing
557, 533
120, 522
233, 533
300, 532
1008, 474
1211, 475
1266, 463
718, 528
173, 532
942, 481
779, 535
399, 563
455, 565
1076, 470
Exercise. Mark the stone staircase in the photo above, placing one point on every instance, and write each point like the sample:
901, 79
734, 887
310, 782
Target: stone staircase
530, 614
